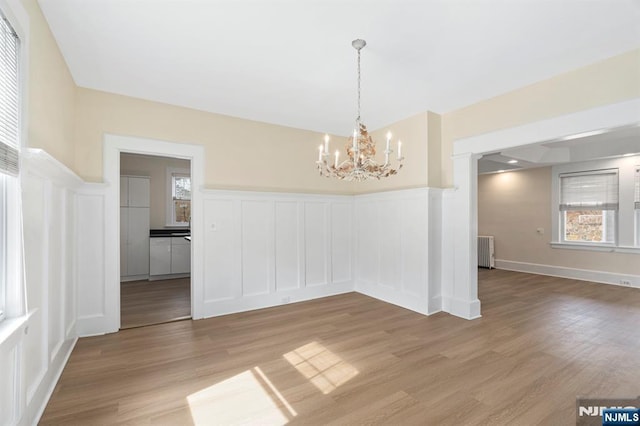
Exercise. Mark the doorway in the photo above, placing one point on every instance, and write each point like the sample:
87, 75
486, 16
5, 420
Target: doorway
155, 238
463, 286
114, 145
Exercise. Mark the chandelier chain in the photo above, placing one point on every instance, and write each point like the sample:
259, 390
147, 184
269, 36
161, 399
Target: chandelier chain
358, 119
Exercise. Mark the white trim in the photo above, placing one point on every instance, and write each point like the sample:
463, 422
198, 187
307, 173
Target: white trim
604, 117
113, 146
226, 306
570, 273
55, 378
277, 196
608, 248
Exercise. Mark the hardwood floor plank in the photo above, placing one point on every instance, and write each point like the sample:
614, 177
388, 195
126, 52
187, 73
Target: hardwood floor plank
154, 302
351, 359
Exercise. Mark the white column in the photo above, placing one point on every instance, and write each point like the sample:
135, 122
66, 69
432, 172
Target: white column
463, 293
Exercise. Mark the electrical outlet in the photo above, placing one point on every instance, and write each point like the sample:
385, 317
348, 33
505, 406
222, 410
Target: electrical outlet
625, 282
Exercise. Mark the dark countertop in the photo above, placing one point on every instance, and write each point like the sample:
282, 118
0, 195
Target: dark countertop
169, 232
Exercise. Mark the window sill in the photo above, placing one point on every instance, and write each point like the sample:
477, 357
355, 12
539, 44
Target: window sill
10, 328
596, 247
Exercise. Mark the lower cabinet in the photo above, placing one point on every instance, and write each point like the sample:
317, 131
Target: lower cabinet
170, 255
159, 256
180, 256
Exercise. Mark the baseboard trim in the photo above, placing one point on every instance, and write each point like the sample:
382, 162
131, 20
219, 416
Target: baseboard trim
570, 273
214, 308
91, 325
392, 295
466, 309
54, 377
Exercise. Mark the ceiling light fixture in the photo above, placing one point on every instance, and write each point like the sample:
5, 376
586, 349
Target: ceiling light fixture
512, 161
360, 163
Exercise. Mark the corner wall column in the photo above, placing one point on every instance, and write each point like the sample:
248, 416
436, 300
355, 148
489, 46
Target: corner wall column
463, 292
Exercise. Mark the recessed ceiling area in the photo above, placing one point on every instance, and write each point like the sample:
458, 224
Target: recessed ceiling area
290, 62
595, 145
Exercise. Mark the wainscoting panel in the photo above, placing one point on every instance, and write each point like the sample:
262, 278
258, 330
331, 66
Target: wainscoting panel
390, 230
393, 244
257, 250
287, 245
415, 258
39, 348
221, 251
267, 249
341, 246
367, 242
315, 237
90, 256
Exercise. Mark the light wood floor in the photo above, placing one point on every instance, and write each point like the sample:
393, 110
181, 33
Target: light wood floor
154, 302
351, 359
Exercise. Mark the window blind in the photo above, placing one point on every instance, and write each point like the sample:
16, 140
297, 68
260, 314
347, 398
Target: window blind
637, 195
592, 190
9, 106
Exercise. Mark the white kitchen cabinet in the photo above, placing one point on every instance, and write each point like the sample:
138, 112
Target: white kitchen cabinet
180, 256
169, 256
160, 256
134, 191
134, 228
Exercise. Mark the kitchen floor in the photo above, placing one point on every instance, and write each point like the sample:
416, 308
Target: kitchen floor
154, 302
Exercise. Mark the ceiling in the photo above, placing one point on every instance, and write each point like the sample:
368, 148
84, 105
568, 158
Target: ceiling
290, 62
604, 143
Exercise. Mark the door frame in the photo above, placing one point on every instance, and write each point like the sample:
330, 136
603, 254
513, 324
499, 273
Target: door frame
114, 145
463, 286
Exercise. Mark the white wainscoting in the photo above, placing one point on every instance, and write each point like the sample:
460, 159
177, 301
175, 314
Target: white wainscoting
35, 354
91, 256
398, 247
268, 249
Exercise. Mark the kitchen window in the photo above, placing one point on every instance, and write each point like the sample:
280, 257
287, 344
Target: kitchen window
589, 206
179, 199
9, 162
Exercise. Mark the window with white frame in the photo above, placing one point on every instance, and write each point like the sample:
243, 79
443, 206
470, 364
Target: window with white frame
9, 154
179, 206
589, 206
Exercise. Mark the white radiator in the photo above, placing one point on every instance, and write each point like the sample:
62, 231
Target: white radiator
486, 255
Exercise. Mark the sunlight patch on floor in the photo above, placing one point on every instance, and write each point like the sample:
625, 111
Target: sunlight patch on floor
322, 367
246, 398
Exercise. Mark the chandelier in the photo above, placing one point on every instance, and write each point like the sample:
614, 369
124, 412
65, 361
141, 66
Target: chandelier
360, 163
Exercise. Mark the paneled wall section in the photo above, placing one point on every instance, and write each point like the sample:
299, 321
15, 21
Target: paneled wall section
398, 246
268, 249
32, 360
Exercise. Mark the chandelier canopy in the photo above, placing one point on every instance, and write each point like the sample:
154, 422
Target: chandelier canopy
360, 163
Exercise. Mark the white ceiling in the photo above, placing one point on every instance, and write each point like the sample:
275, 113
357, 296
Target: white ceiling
290, 62
604, 143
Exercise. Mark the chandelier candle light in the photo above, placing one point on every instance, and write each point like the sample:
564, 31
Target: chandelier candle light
360, 163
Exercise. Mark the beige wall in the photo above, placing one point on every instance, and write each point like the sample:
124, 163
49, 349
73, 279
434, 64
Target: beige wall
602, 83
512, 205
51, 92
240, 154
156, 169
